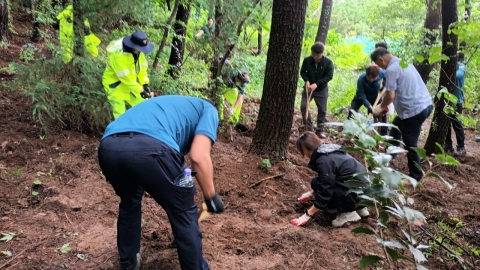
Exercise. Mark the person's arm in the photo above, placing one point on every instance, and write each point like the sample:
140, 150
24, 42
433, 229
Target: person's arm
327, 76
387, 99
361, 91
202, 164
199, 33
303, 70
122, 71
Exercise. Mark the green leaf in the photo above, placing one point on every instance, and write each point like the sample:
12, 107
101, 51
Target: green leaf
65, 248
368, 260
382, 158
384, 216
403, 64
441, 178
421, 152
367, 140
391, 177
351, 149
440, 157
37, 182
421, 267
363, 230
417, 254
419, 58
396, 256
351, 127
451, 161
34, 193
395, 150
82, 257
366, 203
393, 244
7, 236
7, 253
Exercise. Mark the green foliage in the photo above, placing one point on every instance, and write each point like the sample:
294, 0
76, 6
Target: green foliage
27, 55
266, 163
63, 97
386, 192
7, 236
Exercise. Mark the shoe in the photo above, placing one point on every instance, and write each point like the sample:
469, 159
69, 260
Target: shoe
306, 197
460, 151
321, 135
448, 148
344, 218
363, 212
131, 264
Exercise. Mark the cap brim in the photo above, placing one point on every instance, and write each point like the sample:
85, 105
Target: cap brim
145, 49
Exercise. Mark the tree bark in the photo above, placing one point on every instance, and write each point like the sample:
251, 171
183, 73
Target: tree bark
275, 117
78, 29
324, 23
4, 21
441, 121
432, 23
178, 43
165, 34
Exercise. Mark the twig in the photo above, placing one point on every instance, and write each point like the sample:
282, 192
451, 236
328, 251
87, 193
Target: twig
308, 258
13, 258
460, 259
68, 218
265, 179
278, 192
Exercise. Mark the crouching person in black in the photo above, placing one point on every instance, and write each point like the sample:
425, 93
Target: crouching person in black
334, 167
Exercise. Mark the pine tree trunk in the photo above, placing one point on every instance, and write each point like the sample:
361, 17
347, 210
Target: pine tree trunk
78, 29
3, 21
324, 23
275, 117
432, 22
178, 43
165, 34
441, 122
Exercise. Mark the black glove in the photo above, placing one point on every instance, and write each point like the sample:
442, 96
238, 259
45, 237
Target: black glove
69, 20
146, 91
369, 109
214, 204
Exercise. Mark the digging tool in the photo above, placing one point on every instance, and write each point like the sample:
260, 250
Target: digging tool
309, 97
203, 212
380, 96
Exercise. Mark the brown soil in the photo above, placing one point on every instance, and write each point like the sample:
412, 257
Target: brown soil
76, 205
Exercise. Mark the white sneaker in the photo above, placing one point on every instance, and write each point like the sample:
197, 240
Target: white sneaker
344, 218
363, 212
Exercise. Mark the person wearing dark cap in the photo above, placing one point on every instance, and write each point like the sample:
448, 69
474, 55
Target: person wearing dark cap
125, 79
234, 95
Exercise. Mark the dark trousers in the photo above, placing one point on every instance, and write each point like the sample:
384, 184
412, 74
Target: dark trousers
458, 128
340, 200
357, 103
409, 132
320, 98
133, 163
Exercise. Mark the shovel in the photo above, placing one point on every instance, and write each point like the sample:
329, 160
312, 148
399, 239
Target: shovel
380, 95
203, 212
309, 97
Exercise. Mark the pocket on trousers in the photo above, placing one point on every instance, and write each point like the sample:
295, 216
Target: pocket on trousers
184, 198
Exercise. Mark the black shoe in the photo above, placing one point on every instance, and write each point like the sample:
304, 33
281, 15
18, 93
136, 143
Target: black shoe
131, 264
448, 148
460, 151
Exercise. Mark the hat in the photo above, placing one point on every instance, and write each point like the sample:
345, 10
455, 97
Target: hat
244, 76
139, 42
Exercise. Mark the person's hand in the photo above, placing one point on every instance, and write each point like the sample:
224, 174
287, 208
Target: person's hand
301, 221
147, 92
215, 204
370, 110
379, 111
232, 111
305, 197
312, 87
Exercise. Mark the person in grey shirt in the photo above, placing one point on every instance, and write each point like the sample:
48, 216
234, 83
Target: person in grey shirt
412, 101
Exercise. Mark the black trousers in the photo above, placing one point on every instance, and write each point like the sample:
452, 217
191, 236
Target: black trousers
341, 200
320, 98
409, 132
133, 163
458, 128
357, 103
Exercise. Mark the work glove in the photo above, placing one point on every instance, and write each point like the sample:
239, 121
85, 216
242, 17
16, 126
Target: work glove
231, 111
369, 110
301, 221
214, 204
146, 92
69, 20
379, 111
306, 197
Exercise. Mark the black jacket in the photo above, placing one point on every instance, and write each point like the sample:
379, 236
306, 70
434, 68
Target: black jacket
321, 74
334, 167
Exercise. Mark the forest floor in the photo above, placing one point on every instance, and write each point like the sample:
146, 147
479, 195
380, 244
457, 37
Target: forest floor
76, 206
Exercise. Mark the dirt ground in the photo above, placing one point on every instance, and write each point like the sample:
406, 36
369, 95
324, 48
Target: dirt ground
76, 206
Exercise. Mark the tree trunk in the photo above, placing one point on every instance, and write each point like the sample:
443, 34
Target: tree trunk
165, 34
78, 29
36, 24
432, 23
178, 43
468, 8
441, 121
3, 21
275, 117
324, 23
260, 41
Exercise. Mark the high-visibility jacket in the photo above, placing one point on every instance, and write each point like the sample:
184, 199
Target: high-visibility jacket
123, 75
66, 35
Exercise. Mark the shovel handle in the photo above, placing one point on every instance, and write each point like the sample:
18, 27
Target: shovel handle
309, 97
380, 95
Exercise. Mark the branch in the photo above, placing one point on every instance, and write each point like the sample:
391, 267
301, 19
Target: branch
265, 179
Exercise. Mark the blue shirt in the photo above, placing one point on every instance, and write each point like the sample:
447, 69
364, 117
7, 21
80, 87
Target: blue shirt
174, 120
411, 94
368, 90
460, 81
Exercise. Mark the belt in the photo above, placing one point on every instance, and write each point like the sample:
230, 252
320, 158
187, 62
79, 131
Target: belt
123, 134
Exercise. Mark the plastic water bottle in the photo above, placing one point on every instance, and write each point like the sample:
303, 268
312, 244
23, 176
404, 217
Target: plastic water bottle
187, 180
